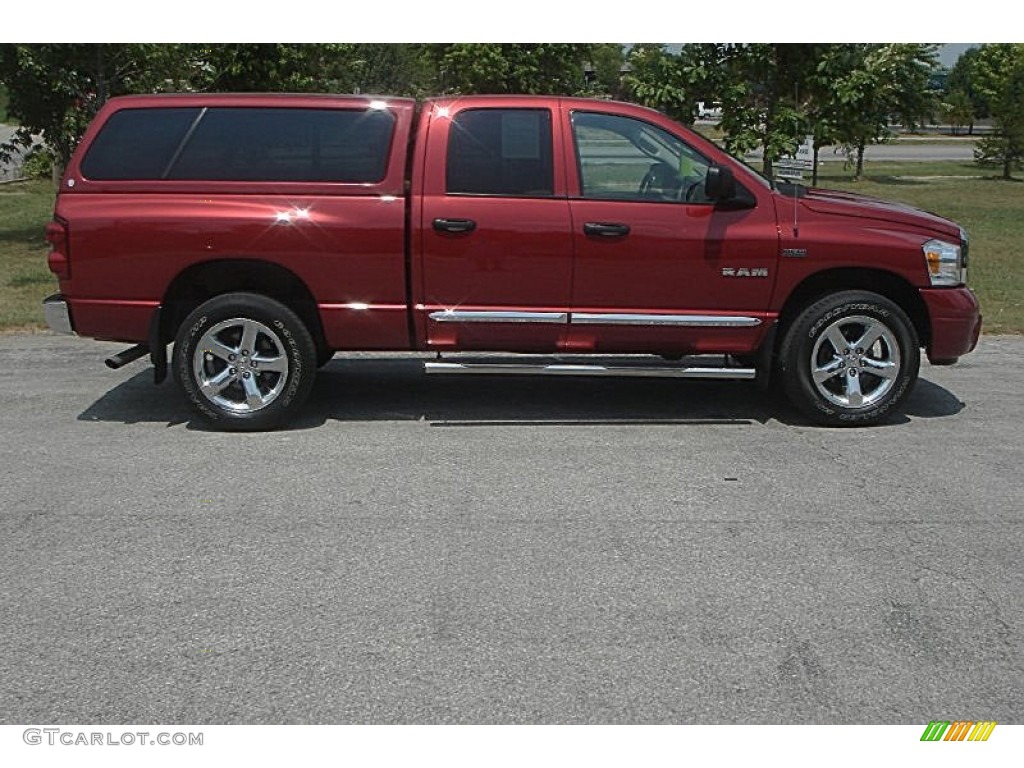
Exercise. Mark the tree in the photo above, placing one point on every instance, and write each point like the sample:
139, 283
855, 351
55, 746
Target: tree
999, 75
958, 111
604, 75
823, 109
762, 92
55, 89
544, 68
386, 68
962, 81
268, 67
672, 83
398, 69
876, 85
3, 103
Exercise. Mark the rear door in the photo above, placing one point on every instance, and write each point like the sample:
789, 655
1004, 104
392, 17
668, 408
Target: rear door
492, 228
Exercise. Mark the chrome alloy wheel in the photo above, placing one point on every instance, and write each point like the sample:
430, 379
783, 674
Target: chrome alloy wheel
855, 362
240, 365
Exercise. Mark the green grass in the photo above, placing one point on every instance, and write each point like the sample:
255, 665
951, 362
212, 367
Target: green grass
895, 173
710, 132
989, 209
25, 208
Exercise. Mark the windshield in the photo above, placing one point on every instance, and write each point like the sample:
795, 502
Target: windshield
770, 183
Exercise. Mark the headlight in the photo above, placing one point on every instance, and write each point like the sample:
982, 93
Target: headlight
945, 263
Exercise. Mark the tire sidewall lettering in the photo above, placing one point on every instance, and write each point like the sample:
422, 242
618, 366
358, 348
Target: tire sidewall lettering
294, 361
296, 345
797, 365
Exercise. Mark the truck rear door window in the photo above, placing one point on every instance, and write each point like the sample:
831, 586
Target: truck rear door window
503, 152
244, 144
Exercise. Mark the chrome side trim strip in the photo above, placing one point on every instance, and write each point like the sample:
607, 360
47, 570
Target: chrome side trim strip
480, 316
688, 321
746, 374
593, 318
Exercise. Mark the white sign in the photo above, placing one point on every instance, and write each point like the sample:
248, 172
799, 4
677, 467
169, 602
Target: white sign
793, 166
803, 160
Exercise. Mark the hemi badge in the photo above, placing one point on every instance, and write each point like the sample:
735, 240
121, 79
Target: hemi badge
795, 253
744, 272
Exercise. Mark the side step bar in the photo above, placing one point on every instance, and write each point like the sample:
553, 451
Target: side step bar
561, 369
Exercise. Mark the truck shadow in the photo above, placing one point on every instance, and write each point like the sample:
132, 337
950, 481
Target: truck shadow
396, 389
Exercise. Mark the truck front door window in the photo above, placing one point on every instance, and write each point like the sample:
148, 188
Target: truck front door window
621, 158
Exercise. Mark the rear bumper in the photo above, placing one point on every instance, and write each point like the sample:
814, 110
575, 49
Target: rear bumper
955, 323
57, 314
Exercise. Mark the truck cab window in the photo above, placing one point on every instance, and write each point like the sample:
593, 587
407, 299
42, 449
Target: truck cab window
621, 158
502, 152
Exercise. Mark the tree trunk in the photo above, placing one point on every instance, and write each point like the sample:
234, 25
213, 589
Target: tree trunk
814, 170
860, 162
1007, 165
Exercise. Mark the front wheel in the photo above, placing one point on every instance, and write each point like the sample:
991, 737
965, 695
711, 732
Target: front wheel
850, 359
244, 361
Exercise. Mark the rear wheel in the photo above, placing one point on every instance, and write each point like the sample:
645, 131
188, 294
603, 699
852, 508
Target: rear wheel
244, 361
850, 359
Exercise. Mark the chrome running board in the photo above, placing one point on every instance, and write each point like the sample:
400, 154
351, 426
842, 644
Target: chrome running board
564, 369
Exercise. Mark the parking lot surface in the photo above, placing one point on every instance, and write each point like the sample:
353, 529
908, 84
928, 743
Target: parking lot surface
506, 550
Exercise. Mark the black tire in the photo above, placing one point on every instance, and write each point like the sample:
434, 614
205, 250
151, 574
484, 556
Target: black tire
836, 381
232, 386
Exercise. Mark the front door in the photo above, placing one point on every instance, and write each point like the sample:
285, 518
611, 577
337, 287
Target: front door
659, 267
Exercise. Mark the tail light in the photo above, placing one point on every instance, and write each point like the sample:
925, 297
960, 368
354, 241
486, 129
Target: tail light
59, 259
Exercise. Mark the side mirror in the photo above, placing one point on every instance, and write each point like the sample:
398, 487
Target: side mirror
719, 184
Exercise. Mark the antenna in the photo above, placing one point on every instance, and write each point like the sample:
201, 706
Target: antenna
796, 224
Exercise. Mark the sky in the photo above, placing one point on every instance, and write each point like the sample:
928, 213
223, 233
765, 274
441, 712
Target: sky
950, 52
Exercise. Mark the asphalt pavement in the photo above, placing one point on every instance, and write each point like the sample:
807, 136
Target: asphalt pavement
506, 550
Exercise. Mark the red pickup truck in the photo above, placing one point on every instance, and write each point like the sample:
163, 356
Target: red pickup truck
263, 233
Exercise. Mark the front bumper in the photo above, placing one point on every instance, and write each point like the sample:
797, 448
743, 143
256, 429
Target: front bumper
955, 323
58, 316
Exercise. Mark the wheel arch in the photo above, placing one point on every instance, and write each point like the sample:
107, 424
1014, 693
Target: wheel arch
205, 280
888, 284
817, 353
